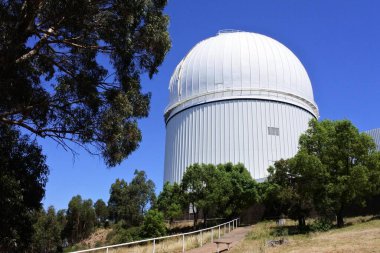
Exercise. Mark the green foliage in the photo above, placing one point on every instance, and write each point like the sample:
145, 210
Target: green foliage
201, 188
218, 191
153, 225
321, 225
335, 167
81, 219
239, 189
296, 182
52, 83
347, 157
61, 218
128, 202
280, 231
171, 202
47, 232
101, 211
23, 176
122, 233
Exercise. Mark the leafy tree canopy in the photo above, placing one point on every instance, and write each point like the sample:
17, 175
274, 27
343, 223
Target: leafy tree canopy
101, 211
47, 232
23, 176
129, 202
171, 201
296, 183
218, 191
335, 167
53, 82
153, 225
80, 218
240, 190
346, 155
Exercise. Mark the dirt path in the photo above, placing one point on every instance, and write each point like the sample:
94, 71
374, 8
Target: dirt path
236, 236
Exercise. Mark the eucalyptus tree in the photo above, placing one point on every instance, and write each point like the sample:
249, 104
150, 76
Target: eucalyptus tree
129, 202
171, 202
295, 185
23, 177
335, 167
47, 232
239, 189
81, 219
70, 70
101, 211
223, 190
350, 162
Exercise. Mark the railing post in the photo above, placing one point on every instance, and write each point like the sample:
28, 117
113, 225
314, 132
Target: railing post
183, 243
219, 232
212, 234
154, 246
107, 250
201, 239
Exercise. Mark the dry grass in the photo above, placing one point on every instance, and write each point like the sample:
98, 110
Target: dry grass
169, 245
96, 238
362, 236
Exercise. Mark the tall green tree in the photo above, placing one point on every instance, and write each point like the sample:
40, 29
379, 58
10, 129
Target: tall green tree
81, 219
117, 200
47, 232
23, 177
199, 183
239, 190
224, 190
171, 202
101, 211
62, 220
349, 159
297, 182
129, 202
70, 70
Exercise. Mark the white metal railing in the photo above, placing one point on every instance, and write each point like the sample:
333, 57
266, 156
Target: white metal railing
230, 224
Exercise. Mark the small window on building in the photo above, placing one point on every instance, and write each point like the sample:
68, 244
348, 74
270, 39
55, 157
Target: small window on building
274, 131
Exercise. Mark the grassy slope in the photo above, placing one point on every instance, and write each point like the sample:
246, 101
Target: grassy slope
362, 236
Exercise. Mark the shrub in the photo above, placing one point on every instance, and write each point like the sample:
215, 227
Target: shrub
121, 233
154, 224
321, 225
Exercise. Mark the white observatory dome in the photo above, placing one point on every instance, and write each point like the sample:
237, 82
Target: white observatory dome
236, 97
240, 64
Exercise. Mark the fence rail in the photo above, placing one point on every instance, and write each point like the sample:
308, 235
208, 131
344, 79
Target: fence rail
224, 228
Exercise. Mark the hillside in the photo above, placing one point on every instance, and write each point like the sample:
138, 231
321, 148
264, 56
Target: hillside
362, 234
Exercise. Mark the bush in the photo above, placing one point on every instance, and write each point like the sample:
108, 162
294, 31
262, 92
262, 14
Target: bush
321, 225
154, 224
280, 232
121, 233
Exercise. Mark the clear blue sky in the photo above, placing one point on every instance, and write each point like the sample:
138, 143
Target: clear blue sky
337, 41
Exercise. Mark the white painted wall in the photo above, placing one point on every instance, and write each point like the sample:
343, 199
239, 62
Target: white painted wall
233, 131
375, 134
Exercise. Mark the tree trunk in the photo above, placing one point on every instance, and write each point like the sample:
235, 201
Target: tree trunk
339, 218
301, 222
195, 216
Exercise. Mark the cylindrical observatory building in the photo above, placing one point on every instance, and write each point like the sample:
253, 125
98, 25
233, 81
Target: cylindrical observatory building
236, 97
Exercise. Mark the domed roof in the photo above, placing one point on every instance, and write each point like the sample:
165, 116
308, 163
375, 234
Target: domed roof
240, 65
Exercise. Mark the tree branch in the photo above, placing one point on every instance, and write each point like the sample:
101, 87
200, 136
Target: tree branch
35, 49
